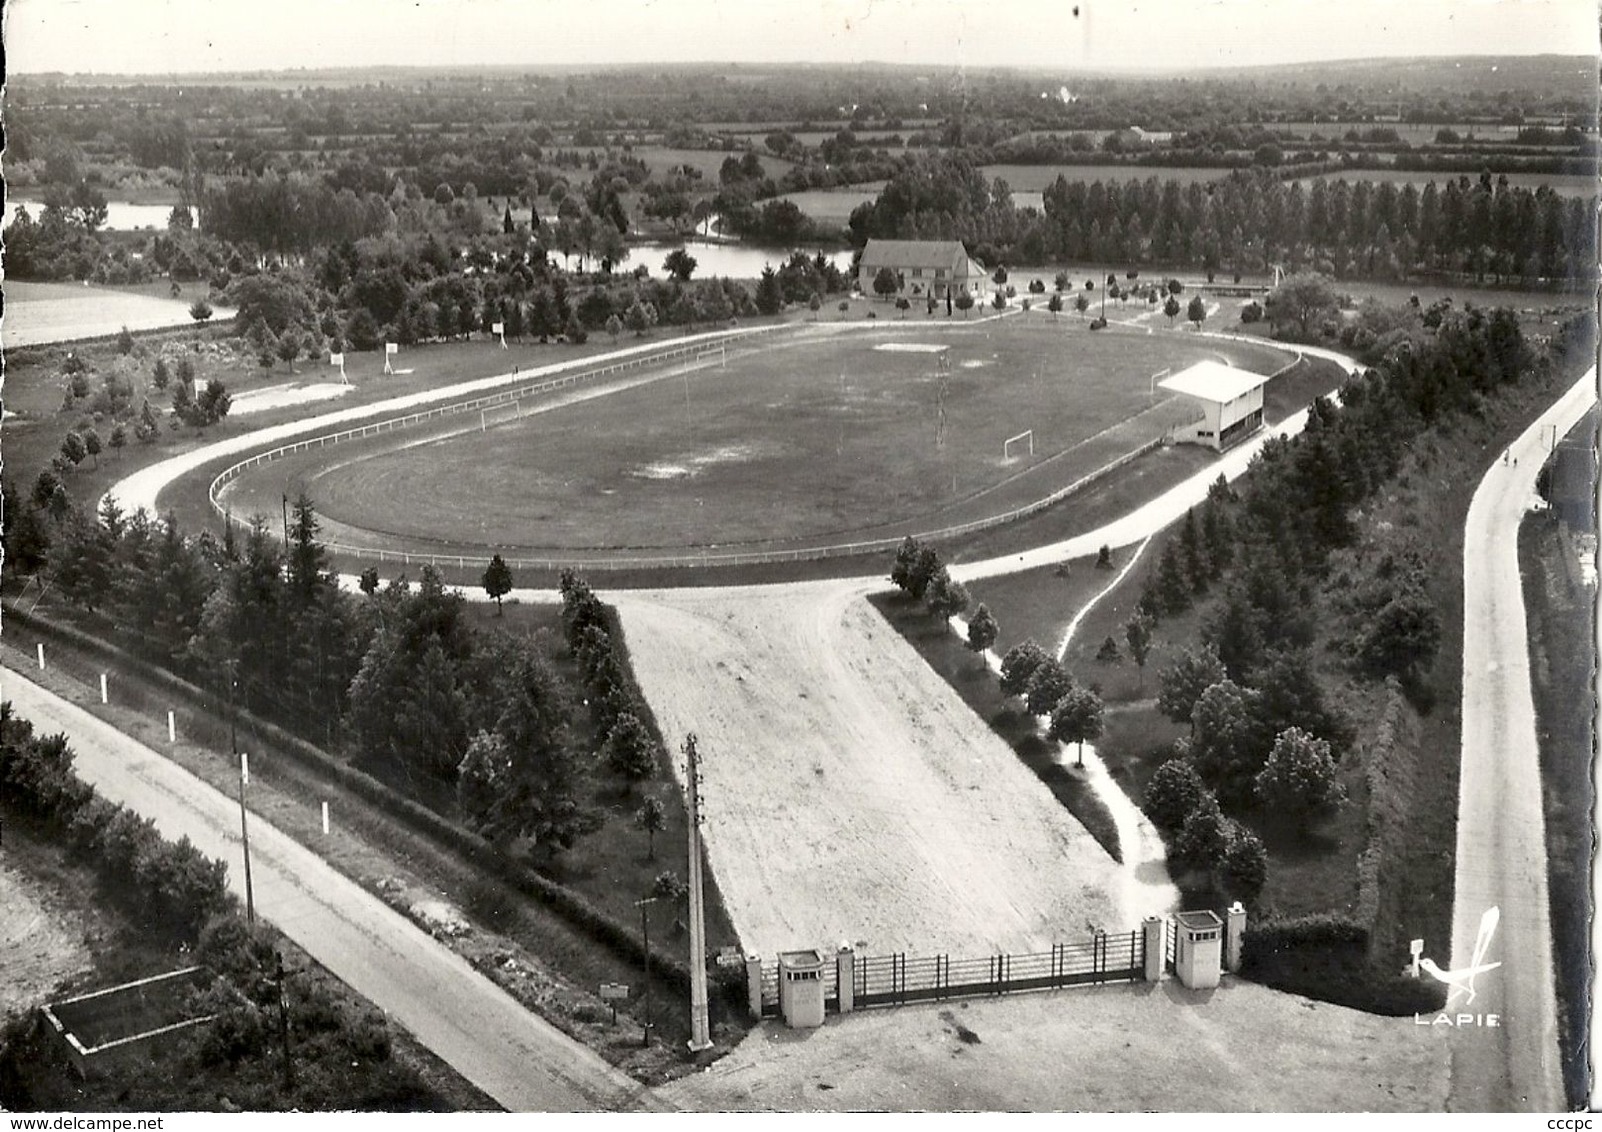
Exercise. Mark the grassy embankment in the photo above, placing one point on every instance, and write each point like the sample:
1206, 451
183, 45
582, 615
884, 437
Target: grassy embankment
1561, 613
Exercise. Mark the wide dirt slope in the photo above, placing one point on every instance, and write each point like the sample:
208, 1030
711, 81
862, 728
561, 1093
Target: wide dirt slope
850, 795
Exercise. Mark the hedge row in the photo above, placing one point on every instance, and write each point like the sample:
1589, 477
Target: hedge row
621, 938
173, 884
1326, 957
1390, 790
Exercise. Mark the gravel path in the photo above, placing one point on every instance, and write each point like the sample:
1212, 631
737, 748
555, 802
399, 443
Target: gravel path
851, 795
1120, 1048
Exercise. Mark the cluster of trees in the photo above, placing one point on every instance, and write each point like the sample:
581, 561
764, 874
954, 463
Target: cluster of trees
1048, 689
1201, 837
399, 678
630, 745
919, 573
1245, 222
1266, 562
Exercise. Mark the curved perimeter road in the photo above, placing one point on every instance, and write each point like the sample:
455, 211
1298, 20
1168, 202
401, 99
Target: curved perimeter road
1501, 839
512, 1054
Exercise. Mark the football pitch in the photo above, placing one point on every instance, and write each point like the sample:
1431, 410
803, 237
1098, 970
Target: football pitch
823, 435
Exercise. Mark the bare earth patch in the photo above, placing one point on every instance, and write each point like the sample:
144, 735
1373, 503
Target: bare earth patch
279, 396
1125, 1048
850, 794
40, 947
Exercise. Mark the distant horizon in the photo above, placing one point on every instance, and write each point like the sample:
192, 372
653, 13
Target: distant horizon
759, 64
155, 38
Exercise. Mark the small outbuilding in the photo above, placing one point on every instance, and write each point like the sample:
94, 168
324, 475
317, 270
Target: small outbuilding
1229, 403
1198, 949
801, 989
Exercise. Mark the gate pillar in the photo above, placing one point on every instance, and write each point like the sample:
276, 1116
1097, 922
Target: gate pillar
1152, 927
845, 978
753, 985
1234, 932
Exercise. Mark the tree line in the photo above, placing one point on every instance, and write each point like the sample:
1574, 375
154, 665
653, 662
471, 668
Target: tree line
396, 676
1263, 561
1246, 222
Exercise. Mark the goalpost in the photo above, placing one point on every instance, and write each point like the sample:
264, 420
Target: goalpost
1151, 392
498, 414
1006, 447
720, 352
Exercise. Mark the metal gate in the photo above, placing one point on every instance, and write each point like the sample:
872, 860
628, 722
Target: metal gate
882, 980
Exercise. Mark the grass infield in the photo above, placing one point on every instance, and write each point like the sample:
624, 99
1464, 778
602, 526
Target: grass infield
822, 436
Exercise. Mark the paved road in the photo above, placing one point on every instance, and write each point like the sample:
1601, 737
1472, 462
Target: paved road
516, 1057
1501, 849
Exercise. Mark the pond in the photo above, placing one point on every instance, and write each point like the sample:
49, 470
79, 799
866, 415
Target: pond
120, 215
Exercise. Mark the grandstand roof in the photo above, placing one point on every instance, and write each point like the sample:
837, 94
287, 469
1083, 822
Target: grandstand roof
1213, 381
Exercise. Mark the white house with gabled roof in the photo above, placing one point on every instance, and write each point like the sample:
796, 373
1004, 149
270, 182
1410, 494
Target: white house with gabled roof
934, 268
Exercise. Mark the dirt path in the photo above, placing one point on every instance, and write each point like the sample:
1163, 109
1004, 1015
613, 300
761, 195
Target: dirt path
1143, 886
851, 795
40, 946
1501, 844
1124, 1048
516, 1057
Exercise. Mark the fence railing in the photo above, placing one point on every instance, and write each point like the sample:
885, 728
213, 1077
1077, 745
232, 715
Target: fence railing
696, 351
891, 980
703, 557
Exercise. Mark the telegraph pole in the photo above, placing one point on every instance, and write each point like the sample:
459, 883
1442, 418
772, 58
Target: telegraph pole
244, 836
700, 1037
645, 931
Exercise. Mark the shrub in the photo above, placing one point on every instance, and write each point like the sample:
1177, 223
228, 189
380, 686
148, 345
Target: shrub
1244, 868
1299, 775
1173, 794
1204, 838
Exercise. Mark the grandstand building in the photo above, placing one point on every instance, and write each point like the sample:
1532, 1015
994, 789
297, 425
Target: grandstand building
1228, 403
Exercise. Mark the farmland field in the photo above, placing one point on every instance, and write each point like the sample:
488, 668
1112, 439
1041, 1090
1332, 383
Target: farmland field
707, 161
833, 206
823, 435
37, 313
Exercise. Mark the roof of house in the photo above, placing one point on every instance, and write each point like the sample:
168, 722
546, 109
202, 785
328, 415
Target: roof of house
913, 253
1213, 381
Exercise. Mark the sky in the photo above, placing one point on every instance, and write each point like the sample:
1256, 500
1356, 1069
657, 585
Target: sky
177, 36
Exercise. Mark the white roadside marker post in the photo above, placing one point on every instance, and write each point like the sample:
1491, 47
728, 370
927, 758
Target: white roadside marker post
103, 697
172, 727
41, 656
325, 819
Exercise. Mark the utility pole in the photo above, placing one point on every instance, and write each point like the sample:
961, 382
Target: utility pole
244, 836
645, 932
285, 499
283, 1024
700, 1036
